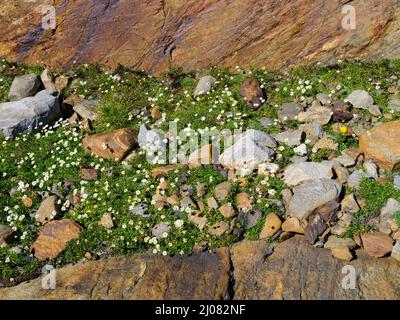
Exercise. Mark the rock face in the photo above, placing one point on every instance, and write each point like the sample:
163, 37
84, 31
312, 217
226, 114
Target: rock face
249, 270
155, 35
111, 145
382, 144
24, 116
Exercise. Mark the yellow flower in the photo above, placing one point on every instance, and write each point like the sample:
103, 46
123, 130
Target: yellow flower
343, 129
263, 68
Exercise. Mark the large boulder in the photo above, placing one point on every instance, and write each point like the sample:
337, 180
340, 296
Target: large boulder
25, 115
303, 171
382, 144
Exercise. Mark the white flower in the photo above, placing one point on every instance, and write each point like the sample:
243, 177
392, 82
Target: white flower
178, 223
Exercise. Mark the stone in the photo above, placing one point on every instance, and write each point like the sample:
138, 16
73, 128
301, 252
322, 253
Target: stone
48, 81
6, 234
48, 210
227, 211
147, 276
339, 243
396, 182
297, 173
266, 122
387, 218
382, 145
61, 83
24, 116
289, 112
140, 210
244, 201
316, 227
24, 86
152, 141
341, 112
155, 113
355, 179
324, 98
316, 114
346, 160
187, 202
342, 254
204, 85
252, 93
106, 221
218, 229
311, 195
377, 244
267, 168
173, 200
201, 189
114, 145
291, 138
394, 104
349, 204
222, 190
301, 150
160, 230
249, 219
371, 169
360, 99
212, 203
89, 174
259, 137
313, 131
293, 224
375, 111
87, 109
207, 154
325, 143
53, 237
396, 251
164, 170
198, 219
272, 225
341, 172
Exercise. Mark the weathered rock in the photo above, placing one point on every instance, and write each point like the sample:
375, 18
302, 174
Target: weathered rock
382, 144
272, 225
244, 201
295, 270
155, 113
316, 226
313, 131
325, 143
6, 233
222, 190
89, 174
259, 137
252, 93
198, 219
316, 114
377, 244
355, 179
360, 99
293, 224
394, 104
304, 171
396, 251
160, 230
342, 254
227, 211
396, 182
152, 141
212, 203
218, 229
301, 150
289, 112
161, 171
87, 109
375, 111
106, 221
323, 98
267, 168
111, 145
371, 169
341, 112
48, 81
249, 219
25, 115
207, 154
339, 243
291, 137
198, 276
204, 86
48, 210
349, 204
311, 195
53, 238
24, 86
61, 83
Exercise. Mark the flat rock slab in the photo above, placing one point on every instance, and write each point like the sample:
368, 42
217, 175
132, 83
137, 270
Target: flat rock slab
25, 115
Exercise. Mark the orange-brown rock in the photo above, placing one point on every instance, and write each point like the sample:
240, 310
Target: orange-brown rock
154, 35
111, 145
53, 238
377, 244
272, 225
382, 144
252, 93
160, 171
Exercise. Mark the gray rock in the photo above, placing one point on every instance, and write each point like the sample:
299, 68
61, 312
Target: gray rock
396, 182
392, 206
25, 115
246, 153
345, 160
324, 98
289, 111
311, 195
300, 172
160, 230
349, 204
140, 210
291, 137
396, 251
152, 141
249, 219
375, 111
259, 137
48, 81
394, 104
360, 99
204, 86
222, 190
301, 150
24, 86
266, 122
87, 109
316, 114
313, 131
371, 169
355, 179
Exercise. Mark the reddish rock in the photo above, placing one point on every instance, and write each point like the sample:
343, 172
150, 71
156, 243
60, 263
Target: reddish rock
53, 238
89, 174
111, 145
377, 244
272, 225
160, 171
154, 35
252, 93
